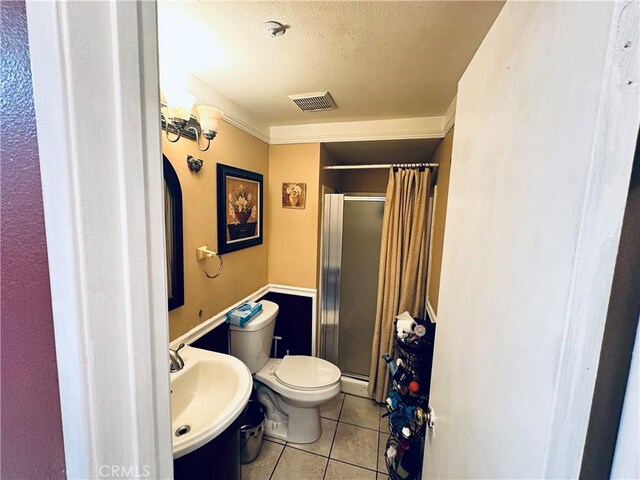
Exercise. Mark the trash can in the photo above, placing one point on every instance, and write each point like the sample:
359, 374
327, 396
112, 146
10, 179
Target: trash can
251, 432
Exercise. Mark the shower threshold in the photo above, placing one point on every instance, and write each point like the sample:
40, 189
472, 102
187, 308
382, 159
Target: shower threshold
355, 386
356, 376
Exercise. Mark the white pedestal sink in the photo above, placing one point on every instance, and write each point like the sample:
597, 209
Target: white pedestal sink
208, 394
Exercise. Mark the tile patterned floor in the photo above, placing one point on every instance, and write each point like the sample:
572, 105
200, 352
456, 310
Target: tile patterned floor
351, 447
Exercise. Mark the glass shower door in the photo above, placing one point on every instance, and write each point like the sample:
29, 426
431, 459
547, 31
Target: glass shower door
351, 255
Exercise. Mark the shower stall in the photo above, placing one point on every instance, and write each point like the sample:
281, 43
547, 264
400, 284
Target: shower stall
351, 237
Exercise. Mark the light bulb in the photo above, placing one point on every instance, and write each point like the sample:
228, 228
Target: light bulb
209, 118
179, 104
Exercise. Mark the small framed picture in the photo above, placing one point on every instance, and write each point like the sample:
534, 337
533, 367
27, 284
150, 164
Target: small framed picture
294, 195
240, 208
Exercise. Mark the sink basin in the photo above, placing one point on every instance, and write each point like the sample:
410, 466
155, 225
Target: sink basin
208, 394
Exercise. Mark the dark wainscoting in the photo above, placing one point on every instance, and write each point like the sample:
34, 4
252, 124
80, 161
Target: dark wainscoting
216, 340
294, 324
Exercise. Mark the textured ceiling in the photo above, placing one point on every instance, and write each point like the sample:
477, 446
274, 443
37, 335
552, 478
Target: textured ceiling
382, 151
379, 60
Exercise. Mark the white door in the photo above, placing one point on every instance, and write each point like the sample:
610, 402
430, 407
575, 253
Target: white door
547, 117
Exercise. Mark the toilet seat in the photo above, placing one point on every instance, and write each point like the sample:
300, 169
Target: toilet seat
307, 373
268, 376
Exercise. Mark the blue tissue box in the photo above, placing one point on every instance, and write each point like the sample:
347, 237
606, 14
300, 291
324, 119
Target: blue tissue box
243, 314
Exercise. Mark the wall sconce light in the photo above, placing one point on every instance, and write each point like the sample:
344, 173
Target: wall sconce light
179, 105
180, 121
209, 120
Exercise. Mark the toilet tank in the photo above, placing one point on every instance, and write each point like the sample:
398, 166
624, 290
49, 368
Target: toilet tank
252, 344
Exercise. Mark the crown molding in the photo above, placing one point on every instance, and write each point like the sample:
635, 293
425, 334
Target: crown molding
390, 129
393, 129
242, 125
233, 114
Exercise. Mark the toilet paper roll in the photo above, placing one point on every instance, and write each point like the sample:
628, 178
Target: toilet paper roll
405, 325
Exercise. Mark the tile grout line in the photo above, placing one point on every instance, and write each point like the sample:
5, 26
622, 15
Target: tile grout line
336, 460
299, 450
307, 451
355, 465
379, 405
361, 426
374, 470
356, 425
328, 458
379, 435
286, 444
378, 447
334, 436
377, 430
277, 461
387, 435
272, 441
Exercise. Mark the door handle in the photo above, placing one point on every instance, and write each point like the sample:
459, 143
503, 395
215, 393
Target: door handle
431, 419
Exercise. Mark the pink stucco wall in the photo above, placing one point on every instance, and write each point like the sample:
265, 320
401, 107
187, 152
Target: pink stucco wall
32, 446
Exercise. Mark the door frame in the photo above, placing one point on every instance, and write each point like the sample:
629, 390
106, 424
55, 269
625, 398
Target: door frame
96, 93
596, 250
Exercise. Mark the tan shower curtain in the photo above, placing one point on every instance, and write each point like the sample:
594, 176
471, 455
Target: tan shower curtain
402, 274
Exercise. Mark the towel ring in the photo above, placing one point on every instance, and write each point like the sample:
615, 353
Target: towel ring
219, 268
203, 253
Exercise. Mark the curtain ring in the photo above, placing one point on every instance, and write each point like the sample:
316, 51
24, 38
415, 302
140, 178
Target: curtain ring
219, 268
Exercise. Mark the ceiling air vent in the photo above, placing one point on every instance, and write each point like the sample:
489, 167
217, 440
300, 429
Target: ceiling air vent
313, 102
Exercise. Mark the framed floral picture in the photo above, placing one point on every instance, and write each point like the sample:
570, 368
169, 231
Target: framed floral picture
294, 195
240, 208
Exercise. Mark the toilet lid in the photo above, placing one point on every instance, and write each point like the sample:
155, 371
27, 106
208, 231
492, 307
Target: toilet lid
301, 371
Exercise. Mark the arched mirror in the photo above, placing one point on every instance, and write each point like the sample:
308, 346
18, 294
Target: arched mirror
173, 234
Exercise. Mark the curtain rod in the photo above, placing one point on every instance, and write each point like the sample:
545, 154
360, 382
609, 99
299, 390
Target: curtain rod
387, 165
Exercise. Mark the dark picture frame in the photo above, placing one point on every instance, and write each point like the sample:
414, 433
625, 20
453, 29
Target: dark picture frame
173, 226
240, 208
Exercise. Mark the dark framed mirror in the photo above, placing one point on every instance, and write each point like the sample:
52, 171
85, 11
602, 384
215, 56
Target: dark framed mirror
173, 234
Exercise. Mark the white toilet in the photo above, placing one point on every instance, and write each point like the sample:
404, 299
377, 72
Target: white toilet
292, 388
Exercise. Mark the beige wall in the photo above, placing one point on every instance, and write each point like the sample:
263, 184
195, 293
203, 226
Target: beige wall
245, 270
370, 181
293, 241
442, 155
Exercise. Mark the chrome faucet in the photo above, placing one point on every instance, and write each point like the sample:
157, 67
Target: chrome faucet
175, 360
